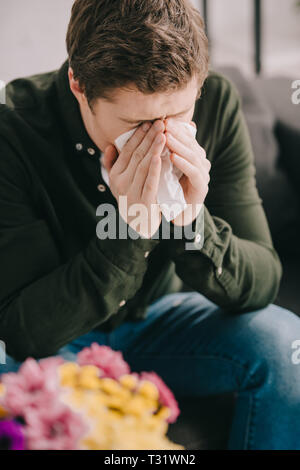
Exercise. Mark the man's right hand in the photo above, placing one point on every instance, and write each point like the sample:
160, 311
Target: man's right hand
135, 173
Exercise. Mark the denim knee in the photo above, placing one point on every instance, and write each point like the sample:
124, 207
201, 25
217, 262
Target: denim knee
264, 339
279, 327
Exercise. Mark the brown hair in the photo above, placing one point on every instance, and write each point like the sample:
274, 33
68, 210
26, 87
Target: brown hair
156, 45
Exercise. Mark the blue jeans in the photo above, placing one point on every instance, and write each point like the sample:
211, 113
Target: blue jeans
199, 349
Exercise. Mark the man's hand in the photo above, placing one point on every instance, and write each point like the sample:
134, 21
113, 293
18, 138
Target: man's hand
135, 173
190, 158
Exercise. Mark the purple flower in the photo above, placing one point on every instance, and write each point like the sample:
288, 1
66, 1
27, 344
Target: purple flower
11, 435
110, 362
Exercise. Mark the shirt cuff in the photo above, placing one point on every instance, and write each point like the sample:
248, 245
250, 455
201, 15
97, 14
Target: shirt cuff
205, 237
189, 237
128, 254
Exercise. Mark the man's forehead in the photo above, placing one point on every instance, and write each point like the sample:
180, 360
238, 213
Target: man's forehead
133, 120
133, 106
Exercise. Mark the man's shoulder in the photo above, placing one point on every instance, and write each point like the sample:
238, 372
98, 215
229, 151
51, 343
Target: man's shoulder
29, 92
218, 87
30, 102
215, 110
10, 123
30, 108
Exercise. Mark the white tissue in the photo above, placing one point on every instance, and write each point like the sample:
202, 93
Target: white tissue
170, 196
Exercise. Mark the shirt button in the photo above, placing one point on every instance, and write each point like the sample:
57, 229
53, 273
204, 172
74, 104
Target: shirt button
79, 147
146, 254
219, 270
123, 302
101, 188
198, 238
91, 151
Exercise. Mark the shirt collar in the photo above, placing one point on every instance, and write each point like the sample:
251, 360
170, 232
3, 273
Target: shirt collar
70, 110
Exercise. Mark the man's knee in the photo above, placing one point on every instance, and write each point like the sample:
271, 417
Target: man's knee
268, 334
278, 325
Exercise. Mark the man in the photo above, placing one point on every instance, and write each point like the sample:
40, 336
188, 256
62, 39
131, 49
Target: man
132, 63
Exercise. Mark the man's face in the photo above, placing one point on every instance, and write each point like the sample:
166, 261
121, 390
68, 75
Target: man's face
130, 108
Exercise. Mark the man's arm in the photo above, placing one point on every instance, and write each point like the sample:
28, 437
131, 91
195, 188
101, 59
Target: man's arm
235, 265
44, 304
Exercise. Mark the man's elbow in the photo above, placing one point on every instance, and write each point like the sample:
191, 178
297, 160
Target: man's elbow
263, 290
19, 347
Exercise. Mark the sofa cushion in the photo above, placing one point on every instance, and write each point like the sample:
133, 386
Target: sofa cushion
280, 199
278, 93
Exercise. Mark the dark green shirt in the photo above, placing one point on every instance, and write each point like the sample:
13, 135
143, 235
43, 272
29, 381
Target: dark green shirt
59, 280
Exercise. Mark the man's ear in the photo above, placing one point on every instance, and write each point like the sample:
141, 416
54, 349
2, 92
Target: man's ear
75, 87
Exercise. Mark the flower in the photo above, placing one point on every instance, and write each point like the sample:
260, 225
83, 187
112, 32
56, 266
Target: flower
11, 435
94, 403
56, 427
110, 362
72, 375
166, 396
34, 385
129, 381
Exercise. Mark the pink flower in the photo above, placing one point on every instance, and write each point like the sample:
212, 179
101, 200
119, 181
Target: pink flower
33, 393
166, 396
110, 362
55, 427
32, 386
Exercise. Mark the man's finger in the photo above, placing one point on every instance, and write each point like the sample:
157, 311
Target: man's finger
153, 177
143, 168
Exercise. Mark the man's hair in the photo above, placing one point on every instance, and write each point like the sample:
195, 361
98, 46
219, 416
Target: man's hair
156, 45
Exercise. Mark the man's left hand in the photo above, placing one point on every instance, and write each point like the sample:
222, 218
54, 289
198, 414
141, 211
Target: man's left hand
189, 157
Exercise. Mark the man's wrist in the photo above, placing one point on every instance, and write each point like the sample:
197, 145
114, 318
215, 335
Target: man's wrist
190, 236
188, 215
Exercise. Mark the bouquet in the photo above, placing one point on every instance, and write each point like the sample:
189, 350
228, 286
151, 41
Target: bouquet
94, 403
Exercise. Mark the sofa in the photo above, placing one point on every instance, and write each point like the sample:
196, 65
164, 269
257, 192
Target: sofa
274, 127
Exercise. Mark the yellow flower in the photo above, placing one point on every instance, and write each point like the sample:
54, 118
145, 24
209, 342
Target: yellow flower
88, 377
128, 381
123, 414
3, 412
109, 385
2, 390
163, 413
76, 397
68, 374
148, 389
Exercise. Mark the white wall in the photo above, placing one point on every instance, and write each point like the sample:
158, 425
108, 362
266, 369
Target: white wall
32, 35
231, 27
